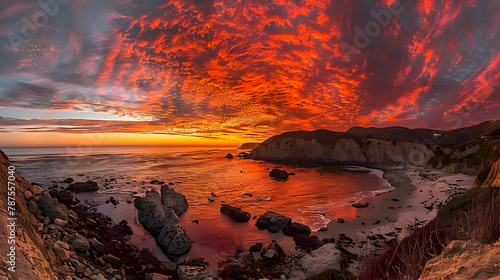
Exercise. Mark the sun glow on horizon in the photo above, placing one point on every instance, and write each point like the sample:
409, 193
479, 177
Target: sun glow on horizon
56, 139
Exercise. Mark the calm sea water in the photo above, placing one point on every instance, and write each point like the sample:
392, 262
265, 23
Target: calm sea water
309, 197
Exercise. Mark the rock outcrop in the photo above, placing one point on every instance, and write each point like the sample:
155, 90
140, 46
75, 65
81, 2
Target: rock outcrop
248, 146
171, 199
273, 222
489, 174
271, 251
326, 257
89, 186
465, 260
294, 148
235, 213
278, 174
159, 215
460, 150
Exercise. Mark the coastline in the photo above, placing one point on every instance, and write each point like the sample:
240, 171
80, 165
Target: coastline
391, 216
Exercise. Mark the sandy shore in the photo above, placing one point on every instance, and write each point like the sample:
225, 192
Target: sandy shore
418, 195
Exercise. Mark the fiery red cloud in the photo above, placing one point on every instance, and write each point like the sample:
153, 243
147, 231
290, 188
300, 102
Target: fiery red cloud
253, 68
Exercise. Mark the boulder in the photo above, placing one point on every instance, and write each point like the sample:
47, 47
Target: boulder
162, 221
89, 186
61, 253
77, 265
271, 251
256, 247
173, 239
65, 195
278, 174
326, 257
113, 201
297, 228
69, 180
96, 245
273, 222
307, 243
36, 189
173, 200
151, 213
235, 213
52, 208
340, 220
33, 207
80, 244
229, 155
28, 195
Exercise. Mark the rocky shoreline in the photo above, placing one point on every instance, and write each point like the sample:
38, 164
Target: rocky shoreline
86, 245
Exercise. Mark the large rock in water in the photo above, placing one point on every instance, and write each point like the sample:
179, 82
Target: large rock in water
173, 200
278, 174
235, 213
273, 222
89, 186
173, 239
158, 215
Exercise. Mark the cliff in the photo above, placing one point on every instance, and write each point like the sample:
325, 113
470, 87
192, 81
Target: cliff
33, 259
489, 174
460, 150
340, 148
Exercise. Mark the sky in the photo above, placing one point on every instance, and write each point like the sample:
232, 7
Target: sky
219, 72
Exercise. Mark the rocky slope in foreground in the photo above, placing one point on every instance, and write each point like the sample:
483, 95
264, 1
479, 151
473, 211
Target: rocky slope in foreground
459, 150
56, 240
33, 260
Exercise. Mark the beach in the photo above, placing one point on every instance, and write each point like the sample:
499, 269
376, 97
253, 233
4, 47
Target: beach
419, 193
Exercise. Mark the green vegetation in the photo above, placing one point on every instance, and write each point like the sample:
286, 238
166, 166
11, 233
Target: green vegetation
443, 159
476, 158
459, 202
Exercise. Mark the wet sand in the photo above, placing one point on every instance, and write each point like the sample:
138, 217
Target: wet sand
393, 214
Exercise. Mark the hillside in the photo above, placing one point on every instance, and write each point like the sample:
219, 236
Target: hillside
430, 136
459, 150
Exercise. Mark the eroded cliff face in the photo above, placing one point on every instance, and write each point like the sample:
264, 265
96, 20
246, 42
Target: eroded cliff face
33, 259
343, 150
489, 174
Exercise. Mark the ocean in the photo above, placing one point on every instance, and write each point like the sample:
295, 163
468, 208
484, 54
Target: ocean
309, 197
